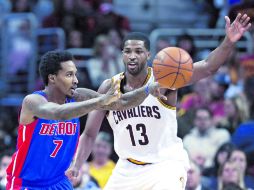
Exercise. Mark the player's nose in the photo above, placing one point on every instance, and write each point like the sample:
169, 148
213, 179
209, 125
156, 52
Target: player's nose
75, 80
132, 56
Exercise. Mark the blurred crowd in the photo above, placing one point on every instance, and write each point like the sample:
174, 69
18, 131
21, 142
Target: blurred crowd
215, 116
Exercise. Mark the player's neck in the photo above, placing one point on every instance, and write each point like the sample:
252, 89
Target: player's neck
54, 95
136, 81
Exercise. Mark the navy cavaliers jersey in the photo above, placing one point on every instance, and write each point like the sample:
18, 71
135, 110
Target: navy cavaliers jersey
148, 132
45, 149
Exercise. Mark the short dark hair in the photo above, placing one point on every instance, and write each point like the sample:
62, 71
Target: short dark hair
138, 36
50, 63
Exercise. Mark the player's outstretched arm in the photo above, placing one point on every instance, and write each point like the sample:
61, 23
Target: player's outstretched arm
133, 98
37, 106
95, 118
234, 31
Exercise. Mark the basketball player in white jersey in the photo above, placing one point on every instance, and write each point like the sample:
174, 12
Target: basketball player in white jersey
151, 156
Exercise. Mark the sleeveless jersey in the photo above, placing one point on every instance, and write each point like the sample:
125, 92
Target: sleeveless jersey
148, 132
45, 149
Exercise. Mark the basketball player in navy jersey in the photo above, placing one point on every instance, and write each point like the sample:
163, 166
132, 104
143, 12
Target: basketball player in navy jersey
151, 156
49, 126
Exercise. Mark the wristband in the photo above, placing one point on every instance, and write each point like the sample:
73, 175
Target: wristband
147, 89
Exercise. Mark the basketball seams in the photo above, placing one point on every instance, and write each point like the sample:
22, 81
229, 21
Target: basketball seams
165, 65
177, 72
169, 56
172, 67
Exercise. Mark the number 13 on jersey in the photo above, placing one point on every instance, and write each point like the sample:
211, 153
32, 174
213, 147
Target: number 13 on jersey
141, 128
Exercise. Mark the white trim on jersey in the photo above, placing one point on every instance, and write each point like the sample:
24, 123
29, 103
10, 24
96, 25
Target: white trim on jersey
12, 183
24, 133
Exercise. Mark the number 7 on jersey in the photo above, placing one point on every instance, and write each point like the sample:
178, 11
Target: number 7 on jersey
58, 144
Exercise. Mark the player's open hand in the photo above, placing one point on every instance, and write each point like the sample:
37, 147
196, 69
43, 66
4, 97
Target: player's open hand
240, 25
72, 173
113, 93
154, 89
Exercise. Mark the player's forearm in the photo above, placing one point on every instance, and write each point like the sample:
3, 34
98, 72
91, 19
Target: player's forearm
219, 56
216, 58
77, 109
130, 99
86, 143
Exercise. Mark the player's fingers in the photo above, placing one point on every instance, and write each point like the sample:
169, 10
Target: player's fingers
227, 21
238, 18
246, 21
242, 19
163, 97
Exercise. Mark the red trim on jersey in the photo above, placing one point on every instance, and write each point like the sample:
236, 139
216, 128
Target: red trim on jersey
25, 134
13, 183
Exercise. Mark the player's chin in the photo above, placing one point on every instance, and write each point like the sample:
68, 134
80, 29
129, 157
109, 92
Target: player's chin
133, 71
70, 94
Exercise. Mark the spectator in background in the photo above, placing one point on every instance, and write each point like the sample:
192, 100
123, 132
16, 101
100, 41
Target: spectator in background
101, 166
243, 137
236, 112
239, 158
186, 42
194, 176
75, 39
4, 162
105, 62
21, 6
200, 97
229, 173
221, 156
204, 133
162, 43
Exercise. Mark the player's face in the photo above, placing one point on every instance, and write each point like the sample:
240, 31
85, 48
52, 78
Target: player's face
66, 80
135, 56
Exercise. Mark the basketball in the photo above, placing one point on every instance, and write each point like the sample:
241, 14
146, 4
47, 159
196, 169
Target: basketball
173, 67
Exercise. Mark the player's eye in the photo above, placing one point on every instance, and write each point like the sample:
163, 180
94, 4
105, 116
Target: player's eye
126, 51
139, 51
69, 74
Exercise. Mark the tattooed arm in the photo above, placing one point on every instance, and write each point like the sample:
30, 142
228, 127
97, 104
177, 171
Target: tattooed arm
126, 101
35, 105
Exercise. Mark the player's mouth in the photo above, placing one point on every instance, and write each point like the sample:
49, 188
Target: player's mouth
73, 89
132, 65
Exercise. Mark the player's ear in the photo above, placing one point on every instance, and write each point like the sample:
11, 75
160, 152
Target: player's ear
51, 78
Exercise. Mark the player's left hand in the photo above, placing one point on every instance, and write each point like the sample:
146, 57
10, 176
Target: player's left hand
72, 173
113, 94
240, 25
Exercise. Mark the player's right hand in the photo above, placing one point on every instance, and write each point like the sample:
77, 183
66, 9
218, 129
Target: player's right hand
72, 173
113, 93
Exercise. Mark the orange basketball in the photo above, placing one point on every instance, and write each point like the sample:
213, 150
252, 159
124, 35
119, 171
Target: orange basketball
172, 67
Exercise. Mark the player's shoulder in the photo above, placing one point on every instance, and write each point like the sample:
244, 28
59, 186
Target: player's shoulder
33, 98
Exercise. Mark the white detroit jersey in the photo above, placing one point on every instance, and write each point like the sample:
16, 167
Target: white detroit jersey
148, 132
